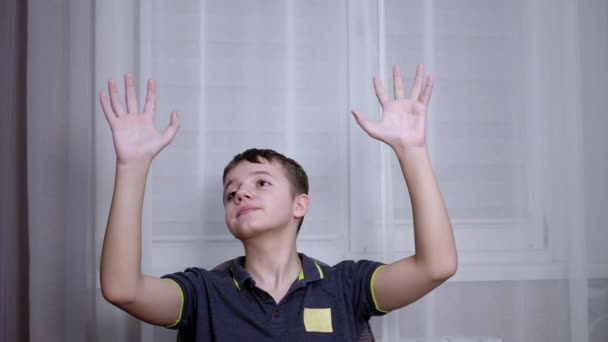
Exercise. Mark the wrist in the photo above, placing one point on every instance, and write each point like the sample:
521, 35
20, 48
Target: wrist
410, 150
133, 166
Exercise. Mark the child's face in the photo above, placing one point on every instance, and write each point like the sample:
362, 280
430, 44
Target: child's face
258, 199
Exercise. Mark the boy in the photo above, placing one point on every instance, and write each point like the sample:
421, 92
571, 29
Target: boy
272, 293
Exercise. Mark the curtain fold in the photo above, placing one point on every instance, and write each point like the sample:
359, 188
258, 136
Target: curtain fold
14, 251
60, 100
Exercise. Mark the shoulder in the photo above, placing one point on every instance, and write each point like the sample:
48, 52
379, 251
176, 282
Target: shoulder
196, 276
352, 266
347, 270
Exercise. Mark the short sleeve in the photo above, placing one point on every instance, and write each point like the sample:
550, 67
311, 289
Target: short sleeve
191, 284
358, 278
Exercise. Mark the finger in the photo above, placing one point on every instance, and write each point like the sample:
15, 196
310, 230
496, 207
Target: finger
114, 98
107, 108
363, 123
428, 90
150, 105
398, 83
131, 95
417, 86
380, 93
171, 130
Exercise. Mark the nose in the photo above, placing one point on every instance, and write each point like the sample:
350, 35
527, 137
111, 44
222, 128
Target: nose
242, 193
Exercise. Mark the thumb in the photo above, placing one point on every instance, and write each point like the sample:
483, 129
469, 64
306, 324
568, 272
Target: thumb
363, 123
171, 130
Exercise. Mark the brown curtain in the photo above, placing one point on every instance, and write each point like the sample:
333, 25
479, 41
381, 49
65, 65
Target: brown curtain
14, 252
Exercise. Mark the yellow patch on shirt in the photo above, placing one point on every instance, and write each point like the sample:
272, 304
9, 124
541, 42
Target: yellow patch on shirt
318, 320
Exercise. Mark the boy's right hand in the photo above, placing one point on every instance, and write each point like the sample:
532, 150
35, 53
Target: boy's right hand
136, 141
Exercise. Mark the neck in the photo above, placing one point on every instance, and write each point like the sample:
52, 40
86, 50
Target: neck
273, 263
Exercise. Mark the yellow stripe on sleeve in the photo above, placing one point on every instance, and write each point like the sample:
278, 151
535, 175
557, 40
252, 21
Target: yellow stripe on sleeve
181, 304
371, 286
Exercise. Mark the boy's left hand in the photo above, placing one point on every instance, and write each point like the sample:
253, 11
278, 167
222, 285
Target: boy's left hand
403, 123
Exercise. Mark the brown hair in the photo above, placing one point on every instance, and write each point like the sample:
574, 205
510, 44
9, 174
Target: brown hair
294, 171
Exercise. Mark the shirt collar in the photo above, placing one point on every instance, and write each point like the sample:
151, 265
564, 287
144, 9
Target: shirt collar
311, 271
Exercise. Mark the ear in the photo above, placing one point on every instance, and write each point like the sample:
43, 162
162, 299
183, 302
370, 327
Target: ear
301, 205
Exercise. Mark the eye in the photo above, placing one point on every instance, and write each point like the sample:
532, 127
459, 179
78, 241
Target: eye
230, 195
262, 182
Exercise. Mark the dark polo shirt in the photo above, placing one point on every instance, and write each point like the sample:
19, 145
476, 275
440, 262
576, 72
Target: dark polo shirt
325, 303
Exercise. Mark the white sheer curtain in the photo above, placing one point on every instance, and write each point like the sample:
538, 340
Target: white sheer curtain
515, 133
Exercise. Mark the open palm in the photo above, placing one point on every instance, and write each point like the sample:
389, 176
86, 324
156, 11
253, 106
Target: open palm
403, 122
135, 138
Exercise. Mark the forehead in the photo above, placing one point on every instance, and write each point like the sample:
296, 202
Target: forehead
245, 169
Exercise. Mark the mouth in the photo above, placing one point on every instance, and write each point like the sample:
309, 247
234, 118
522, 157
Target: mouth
245, 211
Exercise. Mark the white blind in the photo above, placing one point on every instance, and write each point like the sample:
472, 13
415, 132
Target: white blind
246, 74
285, 74
479, 123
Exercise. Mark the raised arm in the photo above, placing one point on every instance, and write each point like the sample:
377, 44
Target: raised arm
136, 141
403, 128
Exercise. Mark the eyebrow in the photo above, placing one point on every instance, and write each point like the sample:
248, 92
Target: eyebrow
250, 174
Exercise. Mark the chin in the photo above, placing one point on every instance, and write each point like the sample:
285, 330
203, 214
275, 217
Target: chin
245, 232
